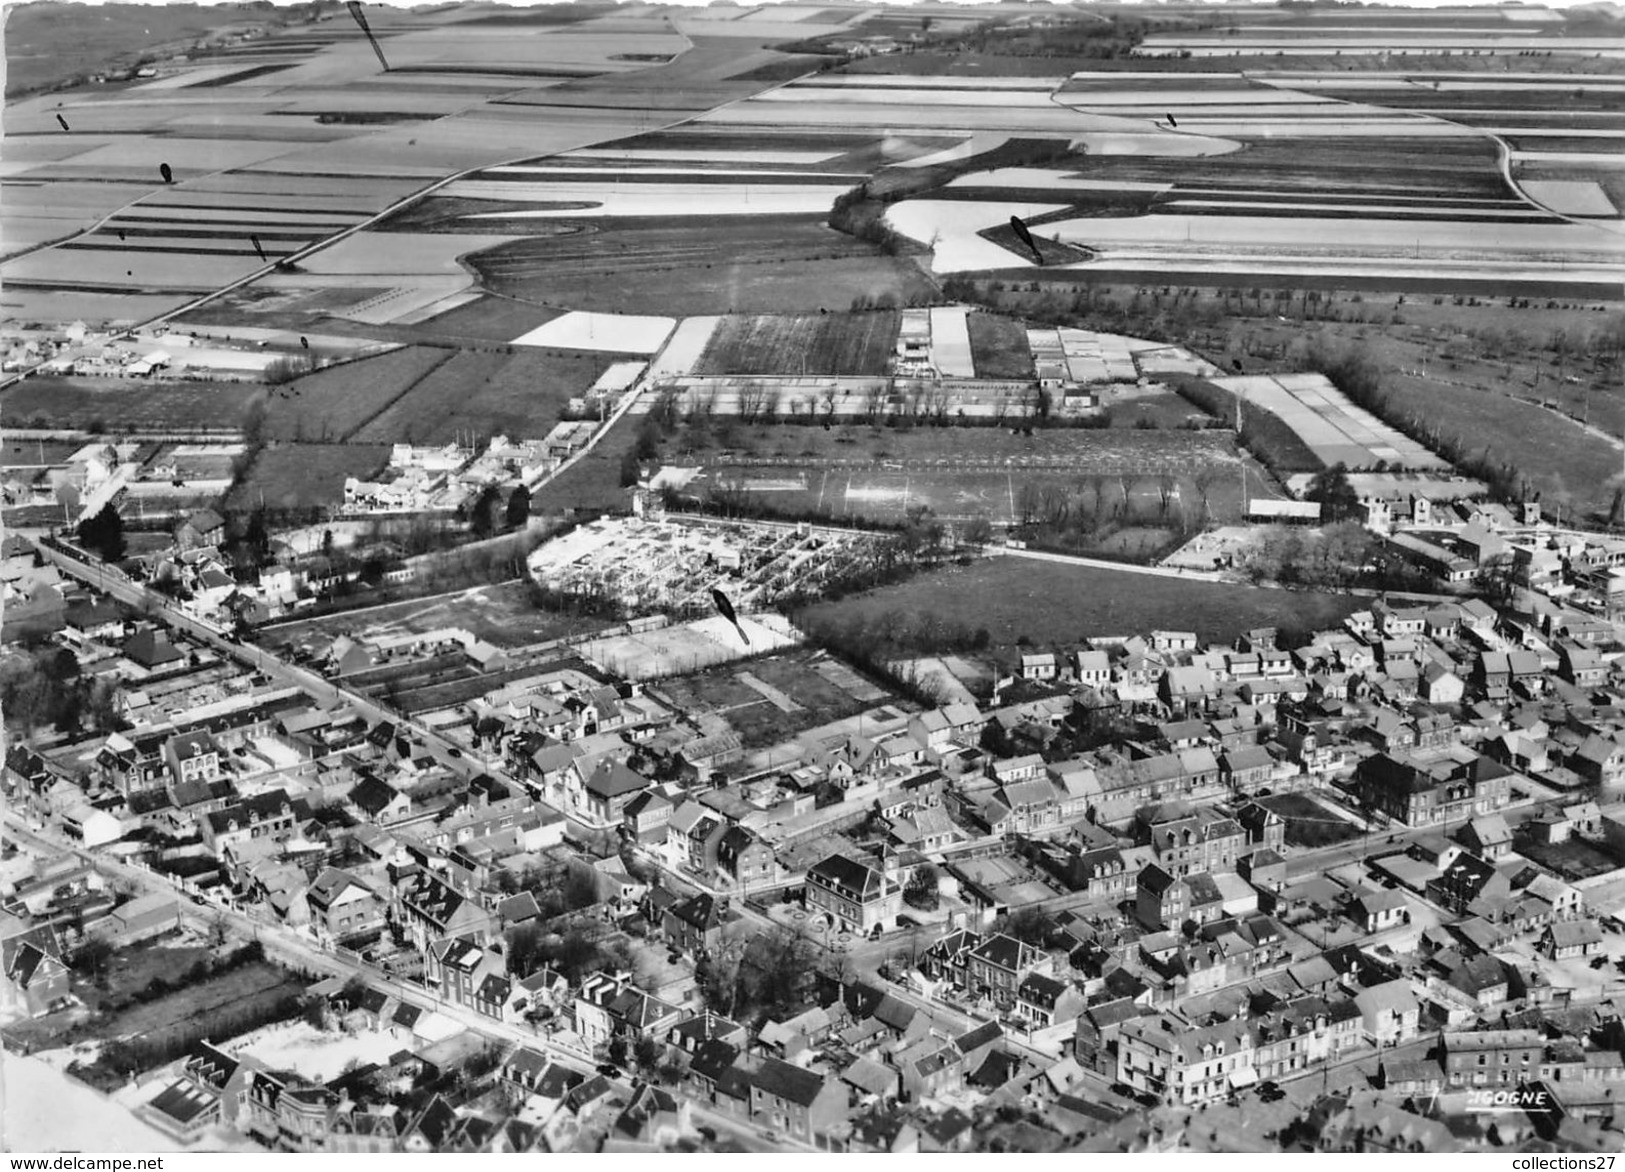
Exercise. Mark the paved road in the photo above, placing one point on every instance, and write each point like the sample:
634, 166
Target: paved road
111, 581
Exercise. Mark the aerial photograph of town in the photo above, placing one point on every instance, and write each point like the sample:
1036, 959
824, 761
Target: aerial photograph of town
813, 577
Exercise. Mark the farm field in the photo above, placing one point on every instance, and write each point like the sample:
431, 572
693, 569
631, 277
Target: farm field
1455, 368
675, 197
112, 404
1571, 468
1046, 601
769, 264
305, 475
999, 347
592, 484
487, 319
331, 404
423, 405
856, 344
602, 332
521, 396
46, 45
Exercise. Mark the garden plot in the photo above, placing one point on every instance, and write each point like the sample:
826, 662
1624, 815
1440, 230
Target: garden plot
952, 227
648, 199
1331, 426
607, 332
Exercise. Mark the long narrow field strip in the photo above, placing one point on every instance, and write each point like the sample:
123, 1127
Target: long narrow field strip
703, 155
672, 198
684, 349
950, 342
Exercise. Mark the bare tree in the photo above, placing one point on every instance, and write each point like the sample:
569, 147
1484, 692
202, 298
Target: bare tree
874, 400
1203, 477
1095, 484
1167, 486
1127, 481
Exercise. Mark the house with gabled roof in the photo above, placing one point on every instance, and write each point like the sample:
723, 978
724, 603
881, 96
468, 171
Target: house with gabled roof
37, 978
999, 964
271, 816
694, 925
606, 793
802, 1104
342, 907
430, 909
855, 895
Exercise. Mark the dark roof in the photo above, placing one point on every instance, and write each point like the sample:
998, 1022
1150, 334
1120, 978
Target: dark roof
407, 1015
845, 872
182, 1102
982, 1035
999, 1069
150, 648
371, 795
790, 1083
254, 809
947, 1127
613, 778
713, 1058
518, 908
698, 911
436, 1122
